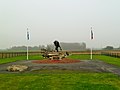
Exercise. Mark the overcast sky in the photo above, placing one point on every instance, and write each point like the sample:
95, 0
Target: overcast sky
62, 20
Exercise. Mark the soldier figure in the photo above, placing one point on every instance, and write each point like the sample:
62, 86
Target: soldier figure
56, 43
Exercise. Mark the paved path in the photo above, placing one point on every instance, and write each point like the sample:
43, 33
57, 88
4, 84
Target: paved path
84, 65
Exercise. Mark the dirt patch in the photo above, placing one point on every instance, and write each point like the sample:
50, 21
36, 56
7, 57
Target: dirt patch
65, 61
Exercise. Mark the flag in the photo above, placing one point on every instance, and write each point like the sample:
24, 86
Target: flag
28, 36
91, 34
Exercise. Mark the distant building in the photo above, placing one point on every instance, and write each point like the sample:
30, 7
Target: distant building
73, 46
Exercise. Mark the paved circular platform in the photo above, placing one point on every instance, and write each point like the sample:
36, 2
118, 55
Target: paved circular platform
83, 65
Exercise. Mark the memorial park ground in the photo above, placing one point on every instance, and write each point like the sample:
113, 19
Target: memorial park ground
69, 76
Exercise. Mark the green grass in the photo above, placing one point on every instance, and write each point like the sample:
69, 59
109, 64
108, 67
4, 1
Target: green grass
13, 59
61, 79
78, 56
107, 59
64, 81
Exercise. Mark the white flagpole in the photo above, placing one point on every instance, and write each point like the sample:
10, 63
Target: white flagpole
91, 56
27, 44
27, 52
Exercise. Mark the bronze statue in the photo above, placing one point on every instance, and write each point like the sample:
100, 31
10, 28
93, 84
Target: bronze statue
56, 43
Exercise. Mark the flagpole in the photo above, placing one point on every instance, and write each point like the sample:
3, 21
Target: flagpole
27, 52
91, 53
27, 44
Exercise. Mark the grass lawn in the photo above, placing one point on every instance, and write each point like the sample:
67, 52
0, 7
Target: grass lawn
64, 81
107, 59
13, 59
61, 79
